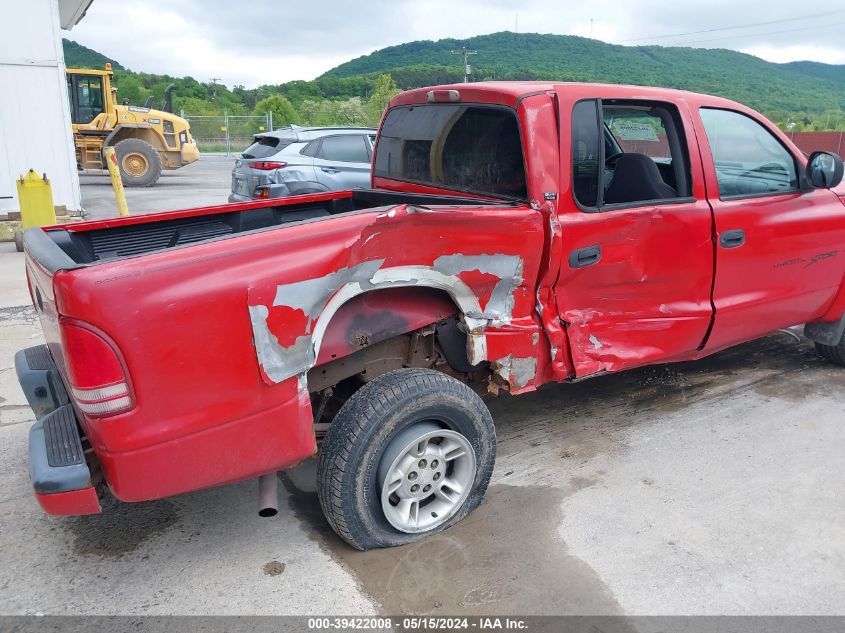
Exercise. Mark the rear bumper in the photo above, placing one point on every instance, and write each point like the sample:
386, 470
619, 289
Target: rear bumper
276, 190
40, 380
241, 448
58, 467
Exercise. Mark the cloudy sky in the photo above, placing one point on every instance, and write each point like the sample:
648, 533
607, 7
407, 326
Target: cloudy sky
267, 41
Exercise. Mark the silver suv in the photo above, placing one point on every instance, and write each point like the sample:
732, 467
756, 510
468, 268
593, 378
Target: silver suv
294, 160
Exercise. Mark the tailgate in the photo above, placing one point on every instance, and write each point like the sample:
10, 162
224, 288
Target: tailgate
44, 259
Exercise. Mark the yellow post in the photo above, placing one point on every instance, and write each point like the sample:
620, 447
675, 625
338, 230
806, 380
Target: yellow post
36, 200
116, 182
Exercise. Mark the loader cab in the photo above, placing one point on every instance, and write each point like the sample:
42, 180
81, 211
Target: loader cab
89, 95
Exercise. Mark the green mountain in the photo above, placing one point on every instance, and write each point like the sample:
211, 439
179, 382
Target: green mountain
798, 86
79, 56
798, 95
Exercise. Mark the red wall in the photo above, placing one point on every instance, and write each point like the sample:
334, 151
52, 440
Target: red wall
813, 141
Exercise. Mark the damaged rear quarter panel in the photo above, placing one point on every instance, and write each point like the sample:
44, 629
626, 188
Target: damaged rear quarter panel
486, 259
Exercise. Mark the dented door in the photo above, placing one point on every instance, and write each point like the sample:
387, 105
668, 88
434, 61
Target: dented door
635, 280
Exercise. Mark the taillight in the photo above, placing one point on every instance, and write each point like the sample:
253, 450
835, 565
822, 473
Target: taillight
262, 193
266, 165
98, 382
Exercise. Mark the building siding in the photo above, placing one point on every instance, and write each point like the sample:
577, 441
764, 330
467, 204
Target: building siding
35, 130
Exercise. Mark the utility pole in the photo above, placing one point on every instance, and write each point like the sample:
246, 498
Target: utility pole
517, 23
466, 54
214, 81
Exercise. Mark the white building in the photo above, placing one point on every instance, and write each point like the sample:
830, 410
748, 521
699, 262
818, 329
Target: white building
35, 130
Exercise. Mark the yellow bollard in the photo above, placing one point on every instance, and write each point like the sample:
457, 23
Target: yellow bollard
36, 200
116, 182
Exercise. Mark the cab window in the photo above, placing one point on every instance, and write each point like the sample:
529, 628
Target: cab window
628, 153
89, 98
471, 148
749, 160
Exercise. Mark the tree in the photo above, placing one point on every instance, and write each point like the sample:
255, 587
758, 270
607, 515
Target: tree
383, 92
130, 89
283, 111
351, 112
309, 111
195, 107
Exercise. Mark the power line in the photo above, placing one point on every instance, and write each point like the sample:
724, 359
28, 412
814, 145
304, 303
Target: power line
733, 37
731, 28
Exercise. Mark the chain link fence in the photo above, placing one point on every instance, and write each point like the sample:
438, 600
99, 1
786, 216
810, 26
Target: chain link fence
227, 133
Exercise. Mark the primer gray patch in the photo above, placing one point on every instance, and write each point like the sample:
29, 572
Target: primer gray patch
596, 343
508, 268
311, 295
523, 370
279, 363
517, 371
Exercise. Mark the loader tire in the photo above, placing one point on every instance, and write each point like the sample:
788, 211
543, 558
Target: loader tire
408, 455
139, 163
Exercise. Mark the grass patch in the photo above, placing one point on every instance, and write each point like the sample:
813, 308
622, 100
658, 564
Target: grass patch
234, 149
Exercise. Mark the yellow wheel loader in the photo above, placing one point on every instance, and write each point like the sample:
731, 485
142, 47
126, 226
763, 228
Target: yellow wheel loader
145, 140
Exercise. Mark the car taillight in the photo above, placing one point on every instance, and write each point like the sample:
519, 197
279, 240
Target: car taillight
262, 193
266, 165
98, 382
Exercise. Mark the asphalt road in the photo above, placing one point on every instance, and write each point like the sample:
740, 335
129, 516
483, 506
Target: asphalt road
205, 182
704, 488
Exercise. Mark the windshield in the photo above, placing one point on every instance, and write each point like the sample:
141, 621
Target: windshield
469, 148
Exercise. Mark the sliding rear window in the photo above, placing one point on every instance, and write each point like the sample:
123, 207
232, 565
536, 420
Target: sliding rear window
469, 148
265, 146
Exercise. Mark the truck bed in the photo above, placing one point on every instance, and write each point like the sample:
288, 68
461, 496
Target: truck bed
93, 242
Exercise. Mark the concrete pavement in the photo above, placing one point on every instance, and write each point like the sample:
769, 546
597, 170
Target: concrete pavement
203, 183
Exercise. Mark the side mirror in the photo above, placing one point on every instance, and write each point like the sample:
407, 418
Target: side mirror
824, 170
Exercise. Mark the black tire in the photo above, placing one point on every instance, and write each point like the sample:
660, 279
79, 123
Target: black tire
143, 154
348, 462
833, 353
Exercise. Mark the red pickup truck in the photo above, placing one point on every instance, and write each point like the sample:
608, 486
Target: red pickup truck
515, 234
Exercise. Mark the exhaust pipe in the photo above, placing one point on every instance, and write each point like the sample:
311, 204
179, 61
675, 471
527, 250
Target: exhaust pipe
168, 98
268, 495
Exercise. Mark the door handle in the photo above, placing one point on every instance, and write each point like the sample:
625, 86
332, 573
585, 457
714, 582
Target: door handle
330, 170
732, 239
584, 257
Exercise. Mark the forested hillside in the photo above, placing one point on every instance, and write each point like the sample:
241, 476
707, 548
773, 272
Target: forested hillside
798, 95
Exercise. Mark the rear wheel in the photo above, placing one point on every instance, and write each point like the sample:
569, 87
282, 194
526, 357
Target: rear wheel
139, 163
833, 353
409, 454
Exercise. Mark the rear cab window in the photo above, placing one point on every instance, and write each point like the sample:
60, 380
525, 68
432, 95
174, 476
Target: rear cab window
470, 148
